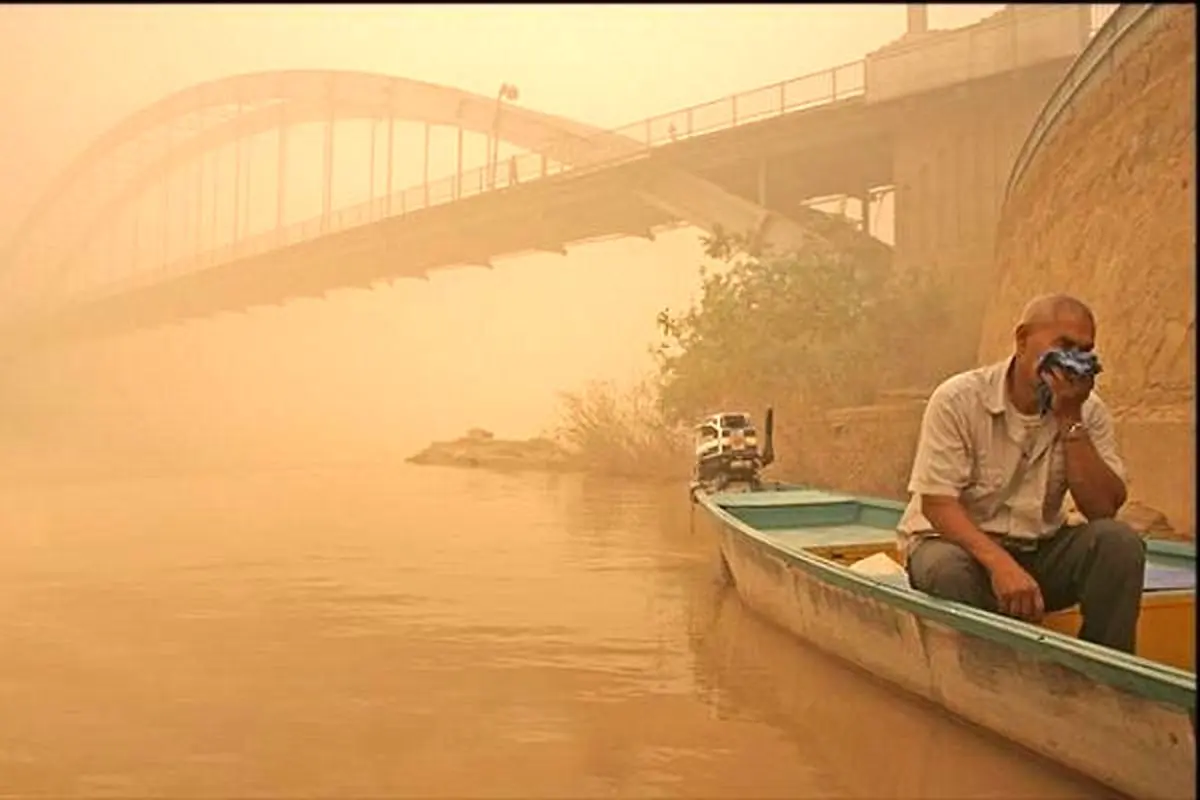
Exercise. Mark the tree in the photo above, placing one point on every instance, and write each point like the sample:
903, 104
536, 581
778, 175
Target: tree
809, 327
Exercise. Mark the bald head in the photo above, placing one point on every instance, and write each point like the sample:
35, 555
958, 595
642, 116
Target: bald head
1051, 321
1051, 308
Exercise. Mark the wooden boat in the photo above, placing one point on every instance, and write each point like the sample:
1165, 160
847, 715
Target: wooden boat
1127, 721
744, 665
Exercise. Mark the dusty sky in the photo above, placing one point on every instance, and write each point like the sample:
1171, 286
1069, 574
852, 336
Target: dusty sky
418, 360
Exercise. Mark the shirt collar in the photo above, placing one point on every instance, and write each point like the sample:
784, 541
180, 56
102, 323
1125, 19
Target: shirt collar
995, 378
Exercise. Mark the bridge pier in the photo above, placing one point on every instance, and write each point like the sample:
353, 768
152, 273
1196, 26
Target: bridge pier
371, 167
425, 165
954, 146
199, 207
166, 209
281, 172
327, 179
458, 158
391, 143
237, 182
216, 195
762, 182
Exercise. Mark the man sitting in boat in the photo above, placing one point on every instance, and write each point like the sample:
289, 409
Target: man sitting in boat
999, 448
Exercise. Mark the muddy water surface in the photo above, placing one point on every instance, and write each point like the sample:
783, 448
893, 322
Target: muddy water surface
405, 631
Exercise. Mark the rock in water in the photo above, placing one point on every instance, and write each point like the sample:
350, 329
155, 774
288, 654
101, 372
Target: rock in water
479, 448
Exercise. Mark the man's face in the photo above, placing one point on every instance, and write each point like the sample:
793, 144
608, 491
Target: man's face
1067, 331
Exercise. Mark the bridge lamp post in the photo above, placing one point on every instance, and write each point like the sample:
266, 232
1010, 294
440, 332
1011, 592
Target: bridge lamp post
510, 93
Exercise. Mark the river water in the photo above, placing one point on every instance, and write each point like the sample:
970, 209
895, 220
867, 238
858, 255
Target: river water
424, 632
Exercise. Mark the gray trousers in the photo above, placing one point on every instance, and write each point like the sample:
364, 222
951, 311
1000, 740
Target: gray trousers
1099, 565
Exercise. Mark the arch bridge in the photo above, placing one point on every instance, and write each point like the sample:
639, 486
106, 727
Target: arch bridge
258, 187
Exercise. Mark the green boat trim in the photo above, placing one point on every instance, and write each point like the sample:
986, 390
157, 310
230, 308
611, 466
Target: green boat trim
1139, 676
1165, 547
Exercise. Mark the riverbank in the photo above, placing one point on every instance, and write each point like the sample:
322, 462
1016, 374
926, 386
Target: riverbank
480, 449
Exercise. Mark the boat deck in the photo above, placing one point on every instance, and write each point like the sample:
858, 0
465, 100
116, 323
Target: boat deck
830, 536
1161, 573
844, 528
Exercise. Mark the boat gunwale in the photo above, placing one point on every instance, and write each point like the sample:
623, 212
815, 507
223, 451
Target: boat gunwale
1145, 678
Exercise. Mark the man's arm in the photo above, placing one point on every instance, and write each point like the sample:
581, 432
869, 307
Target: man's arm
950, 520
941, 470
1095, 474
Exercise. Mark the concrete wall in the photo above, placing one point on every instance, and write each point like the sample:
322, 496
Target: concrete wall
1019, 36
954, 146
1106, 210
867, 450
953, 153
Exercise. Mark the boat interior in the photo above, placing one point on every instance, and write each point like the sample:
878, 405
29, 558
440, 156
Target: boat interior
853, 532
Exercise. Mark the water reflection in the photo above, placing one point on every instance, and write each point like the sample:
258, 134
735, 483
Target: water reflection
423, 632
862, 739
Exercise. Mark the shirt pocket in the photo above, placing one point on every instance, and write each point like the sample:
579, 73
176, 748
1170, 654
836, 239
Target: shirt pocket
986, 484
991, 478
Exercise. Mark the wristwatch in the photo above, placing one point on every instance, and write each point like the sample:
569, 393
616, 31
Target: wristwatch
1076, 430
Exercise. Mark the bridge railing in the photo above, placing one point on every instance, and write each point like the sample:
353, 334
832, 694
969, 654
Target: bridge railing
1090, 67
1100, 12
608, 148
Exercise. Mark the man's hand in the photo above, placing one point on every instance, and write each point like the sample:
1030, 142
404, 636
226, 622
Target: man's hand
1017, 593
1068, 393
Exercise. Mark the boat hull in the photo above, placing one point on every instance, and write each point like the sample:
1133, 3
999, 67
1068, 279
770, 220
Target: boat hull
1123, 737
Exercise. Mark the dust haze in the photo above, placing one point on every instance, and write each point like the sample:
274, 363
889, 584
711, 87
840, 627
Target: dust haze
218, 578
374, 374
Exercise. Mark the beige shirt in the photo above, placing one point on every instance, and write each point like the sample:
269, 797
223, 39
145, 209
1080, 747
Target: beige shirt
971, 442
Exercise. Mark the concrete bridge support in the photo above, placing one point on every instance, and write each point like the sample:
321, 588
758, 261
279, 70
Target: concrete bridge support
954, 147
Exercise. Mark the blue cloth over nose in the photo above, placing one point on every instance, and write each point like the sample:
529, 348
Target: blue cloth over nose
1075, 363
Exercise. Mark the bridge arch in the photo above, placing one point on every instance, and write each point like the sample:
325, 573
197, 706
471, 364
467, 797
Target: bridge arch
257, 102
229, 110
